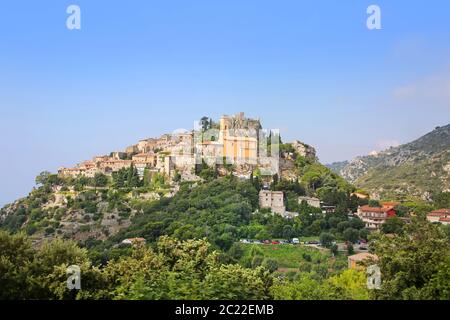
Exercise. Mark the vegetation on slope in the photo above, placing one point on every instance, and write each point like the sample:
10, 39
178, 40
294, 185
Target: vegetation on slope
417, 169
414, 265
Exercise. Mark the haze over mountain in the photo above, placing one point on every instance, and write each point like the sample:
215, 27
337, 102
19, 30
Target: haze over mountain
418, 168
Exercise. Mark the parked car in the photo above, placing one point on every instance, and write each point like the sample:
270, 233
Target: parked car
295, 241
275, 242
266, 241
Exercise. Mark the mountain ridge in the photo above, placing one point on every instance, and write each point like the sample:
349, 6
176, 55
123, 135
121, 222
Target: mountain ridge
418, 168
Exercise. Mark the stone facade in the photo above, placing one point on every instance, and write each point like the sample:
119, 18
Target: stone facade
234, 140
313, 202
273, 200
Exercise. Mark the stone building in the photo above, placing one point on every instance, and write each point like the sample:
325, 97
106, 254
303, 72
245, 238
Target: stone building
313, 202
239, 139
236, 141
145, 158
356, 261
273, 200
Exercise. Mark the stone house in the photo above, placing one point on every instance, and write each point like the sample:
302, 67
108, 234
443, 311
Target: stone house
273, 200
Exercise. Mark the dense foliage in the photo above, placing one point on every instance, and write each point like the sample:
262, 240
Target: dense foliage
193, 235
415, 264
174, 270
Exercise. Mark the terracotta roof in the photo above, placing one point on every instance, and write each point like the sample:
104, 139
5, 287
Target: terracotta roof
441, 211
445, 219
389, 204
366, 208
436, 214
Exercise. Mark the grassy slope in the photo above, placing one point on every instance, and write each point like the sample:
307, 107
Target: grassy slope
290, 256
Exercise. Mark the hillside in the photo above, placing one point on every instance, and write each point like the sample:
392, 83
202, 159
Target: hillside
168, 215
419, 168
156, 187
218, 208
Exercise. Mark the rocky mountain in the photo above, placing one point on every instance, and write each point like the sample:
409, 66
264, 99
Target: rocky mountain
338, 167
418, 168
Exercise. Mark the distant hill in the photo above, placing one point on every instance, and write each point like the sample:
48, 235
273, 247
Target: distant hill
337, 167
418, 168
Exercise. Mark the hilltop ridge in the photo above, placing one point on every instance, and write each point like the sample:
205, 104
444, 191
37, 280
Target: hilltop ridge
419, 168
106, 195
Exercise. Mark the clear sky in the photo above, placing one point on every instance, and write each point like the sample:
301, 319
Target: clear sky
138, 69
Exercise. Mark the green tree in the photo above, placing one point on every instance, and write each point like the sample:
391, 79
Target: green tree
374, 203
334, 249
350, 249
288, 232
187, 270
349, 285
351, 235
414, 264
43, 178
270, 264
100, 180
326, 239
442, 200
16, 255
393, 225
305, 287
363, 234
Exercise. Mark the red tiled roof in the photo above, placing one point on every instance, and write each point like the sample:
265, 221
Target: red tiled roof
441, 211
436, 214
445, 219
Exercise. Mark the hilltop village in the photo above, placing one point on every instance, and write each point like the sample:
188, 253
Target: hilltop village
236, 145
259, 201
99, 197
288, 175
235, 140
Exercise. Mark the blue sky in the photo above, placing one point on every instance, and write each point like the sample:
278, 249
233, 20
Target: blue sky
138, 69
